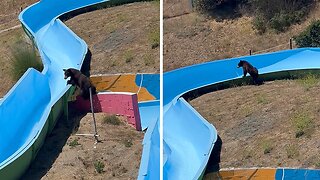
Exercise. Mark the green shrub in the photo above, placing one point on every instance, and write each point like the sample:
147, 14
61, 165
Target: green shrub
275, 14
74, 143
308, 81
128, 56
279, 14
292, 151
317, 164
259, 24
267, 146
303, 124
206, 6
98, 165
148, 60
111, 119
210, 6
310, 37
24, 57
154, 38
127, 143
261, 98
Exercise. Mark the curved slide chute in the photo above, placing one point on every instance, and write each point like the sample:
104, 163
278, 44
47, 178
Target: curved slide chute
188, 138
29, 111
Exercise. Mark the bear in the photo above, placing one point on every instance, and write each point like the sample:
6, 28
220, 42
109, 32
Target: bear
248, 68
81, 81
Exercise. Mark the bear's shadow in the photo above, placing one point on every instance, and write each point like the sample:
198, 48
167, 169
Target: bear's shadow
86, 66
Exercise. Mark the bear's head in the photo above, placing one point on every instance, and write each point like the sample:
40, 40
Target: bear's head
67, 73
240, 64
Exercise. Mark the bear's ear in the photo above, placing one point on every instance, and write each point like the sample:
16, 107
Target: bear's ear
64, 70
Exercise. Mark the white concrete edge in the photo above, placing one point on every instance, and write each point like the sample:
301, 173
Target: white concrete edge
117, 74
125, 93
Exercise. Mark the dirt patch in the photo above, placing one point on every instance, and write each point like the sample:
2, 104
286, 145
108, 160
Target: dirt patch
193, 38
10, 10
68, 156
258, 124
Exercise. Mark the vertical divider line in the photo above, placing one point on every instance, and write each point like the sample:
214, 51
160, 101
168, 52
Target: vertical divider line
161, 90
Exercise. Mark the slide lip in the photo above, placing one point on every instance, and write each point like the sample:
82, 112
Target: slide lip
240, 57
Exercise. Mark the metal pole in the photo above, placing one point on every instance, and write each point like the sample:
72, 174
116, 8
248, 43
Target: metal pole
290, 42
94, 119
94, 122
250, 52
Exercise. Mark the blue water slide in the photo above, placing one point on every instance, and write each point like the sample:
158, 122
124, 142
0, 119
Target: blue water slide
19, 129
37, 97
306, 174
150, 160
151, 82
149, 112
188, 138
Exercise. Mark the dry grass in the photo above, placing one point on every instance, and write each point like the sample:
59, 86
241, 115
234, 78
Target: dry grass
263, 121
154, 38
120, 37
303, 124
24, 57
261, 99
7, 41
267, 146
308, 81
292, 151
111, 119
10, 10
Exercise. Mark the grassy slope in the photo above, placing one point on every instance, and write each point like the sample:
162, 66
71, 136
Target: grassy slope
260, 117
10, 10
192, 38
120, 37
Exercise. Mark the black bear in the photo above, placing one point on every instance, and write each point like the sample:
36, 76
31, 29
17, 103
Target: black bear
80, 80
248, 68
